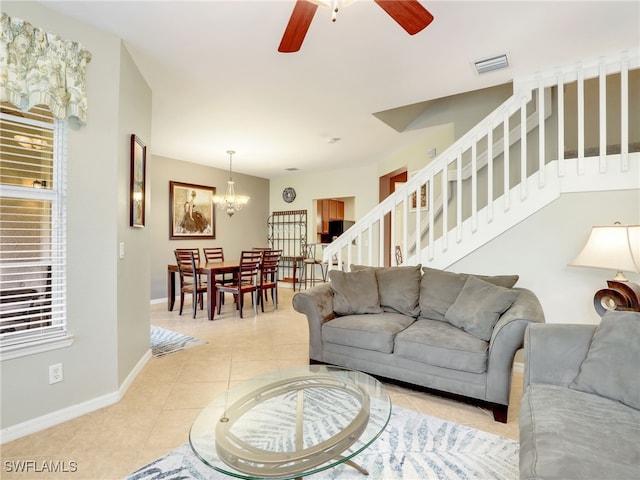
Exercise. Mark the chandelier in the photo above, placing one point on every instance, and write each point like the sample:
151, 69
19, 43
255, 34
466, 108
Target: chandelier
230, 202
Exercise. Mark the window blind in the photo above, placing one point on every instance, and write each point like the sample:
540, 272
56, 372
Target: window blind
32, 226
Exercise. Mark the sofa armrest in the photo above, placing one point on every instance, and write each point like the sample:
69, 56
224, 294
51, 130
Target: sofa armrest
317, 304
507, 338
554, 352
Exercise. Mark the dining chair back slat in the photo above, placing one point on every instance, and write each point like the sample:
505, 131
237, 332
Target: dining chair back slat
213, 254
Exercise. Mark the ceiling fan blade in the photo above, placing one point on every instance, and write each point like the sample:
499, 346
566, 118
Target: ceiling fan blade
409, 14
294, 34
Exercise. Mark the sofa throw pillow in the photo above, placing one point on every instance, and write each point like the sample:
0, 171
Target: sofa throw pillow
354, 292
439, 289
398, 288
610, 368
478, 307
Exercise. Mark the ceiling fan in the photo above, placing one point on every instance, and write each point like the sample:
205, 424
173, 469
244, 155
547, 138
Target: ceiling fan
409, 14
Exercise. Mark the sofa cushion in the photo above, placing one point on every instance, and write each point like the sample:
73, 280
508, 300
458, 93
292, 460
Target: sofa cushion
398, 288
370, 332
440, 344
354, 292
439, 289
567, 434
478, 307
610, 368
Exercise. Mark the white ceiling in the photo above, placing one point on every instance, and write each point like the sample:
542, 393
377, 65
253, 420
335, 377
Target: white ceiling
219, 83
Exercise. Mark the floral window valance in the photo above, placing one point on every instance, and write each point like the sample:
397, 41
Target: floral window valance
37, 67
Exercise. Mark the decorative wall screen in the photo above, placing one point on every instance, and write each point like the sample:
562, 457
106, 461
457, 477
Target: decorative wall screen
288, 232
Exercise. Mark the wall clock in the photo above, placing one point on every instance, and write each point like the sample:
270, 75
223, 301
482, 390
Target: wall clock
289, 194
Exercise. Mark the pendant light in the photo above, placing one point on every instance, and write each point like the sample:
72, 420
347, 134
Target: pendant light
230, 202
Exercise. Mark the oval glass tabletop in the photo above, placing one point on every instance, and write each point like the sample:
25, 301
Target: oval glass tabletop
291, 423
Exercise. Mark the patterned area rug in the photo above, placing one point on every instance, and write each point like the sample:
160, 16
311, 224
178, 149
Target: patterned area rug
413, 447
164, 342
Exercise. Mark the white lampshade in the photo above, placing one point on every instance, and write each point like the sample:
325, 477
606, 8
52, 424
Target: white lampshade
614, 247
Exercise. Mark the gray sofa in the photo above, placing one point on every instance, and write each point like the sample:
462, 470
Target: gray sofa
437, 330
580, 411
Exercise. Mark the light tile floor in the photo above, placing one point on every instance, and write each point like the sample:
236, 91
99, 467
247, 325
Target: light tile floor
157, 411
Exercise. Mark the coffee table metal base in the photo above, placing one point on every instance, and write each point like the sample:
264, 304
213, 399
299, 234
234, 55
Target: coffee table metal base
246, 458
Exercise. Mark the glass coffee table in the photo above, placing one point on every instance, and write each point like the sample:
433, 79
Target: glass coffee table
291, 423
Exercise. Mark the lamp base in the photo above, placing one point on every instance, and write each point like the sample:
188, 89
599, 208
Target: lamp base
621, 296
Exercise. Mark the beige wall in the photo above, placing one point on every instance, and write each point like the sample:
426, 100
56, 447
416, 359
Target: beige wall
416, 155
475, 105
133, 269
244, 230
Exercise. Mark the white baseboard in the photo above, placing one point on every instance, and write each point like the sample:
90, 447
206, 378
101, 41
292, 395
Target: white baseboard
34, 425
133, 374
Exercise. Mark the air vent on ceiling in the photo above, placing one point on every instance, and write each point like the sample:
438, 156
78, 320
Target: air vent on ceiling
490, 64
292, 169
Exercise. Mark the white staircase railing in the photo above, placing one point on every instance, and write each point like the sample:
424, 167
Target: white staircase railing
549, 137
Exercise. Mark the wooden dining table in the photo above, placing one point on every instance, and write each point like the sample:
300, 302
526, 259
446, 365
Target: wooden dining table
210, 269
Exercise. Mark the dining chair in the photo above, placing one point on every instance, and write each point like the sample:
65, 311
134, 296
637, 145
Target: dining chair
245, 281
190, 280
269, 277
214, 255
196, 254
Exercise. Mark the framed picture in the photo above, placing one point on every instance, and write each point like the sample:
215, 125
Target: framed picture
191, 211
138, 182
423, 197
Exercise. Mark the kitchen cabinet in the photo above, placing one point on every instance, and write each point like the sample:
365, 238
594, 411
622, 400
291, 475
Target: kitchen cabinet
327, 210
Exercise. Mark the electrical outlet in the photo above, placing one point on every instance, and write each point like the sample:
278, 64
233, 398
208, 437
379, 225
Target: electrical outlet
55, 373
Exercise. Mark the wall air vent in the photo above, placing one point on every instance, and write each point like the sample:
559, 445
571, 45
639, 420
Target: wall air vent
490, 64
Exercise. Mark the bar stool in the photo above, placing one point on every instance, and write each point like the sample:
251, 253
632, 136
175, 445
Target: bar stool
310, 261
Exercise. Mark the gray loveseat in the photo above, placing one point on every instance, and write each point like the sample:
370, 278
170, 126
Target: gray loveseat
450, 332
580, 411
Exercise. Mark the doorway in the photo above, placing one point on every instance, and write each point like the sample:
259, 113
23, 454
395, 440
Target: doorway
331, 217
388, 184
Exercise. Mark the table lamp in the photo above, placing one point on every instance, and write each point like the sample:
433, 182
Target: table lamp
614, 247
